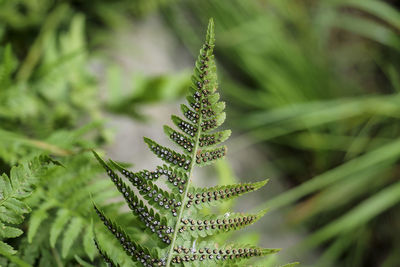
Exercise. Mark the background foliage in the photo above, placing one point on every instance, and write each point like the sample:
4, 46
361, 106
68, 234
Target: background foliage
313, 85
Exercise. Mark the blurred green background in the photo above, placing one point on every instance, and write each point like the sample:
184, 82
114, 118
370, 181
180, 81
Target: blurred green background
313, 96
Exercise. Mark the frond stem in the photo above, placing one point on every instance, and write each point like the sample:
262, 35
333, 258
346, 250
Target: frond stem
57, 257
178, 222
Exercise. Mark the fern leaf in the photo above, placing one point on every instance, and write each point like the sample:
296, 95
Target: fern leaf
226, 255
151, 192
201, 146
61, 220
11, 206
38, 216
71, 234
209, 156
6, 249
150, 219
213, 139
62, 200
13, 192
186, 143
209, 112
84, 263
211, 224
186, 127
201, 197
156, 196
106, 258
211, 124
168, 155
137, 252
176, 178
88, 245
9, 231
192, 116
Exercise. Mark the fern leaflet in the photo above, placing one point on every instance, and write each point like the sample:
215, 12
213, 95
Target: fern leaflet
14, 189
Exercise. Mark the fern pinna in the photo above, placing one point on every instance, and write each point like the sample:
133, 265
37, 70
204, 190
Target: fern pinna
173, 216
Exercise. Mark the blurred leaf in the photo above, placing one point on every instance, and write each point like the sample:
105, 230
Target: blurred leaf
371, 30
359, 215
379, 9
128, 99
386, 153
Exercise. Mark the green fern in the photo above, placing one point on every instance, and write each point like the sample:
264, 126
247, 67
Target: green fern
173, 217
63, 210
60, 227
14, 189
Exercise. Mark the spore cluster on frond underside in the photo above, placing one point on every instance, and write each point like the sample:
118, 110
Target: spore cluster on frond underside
172, 215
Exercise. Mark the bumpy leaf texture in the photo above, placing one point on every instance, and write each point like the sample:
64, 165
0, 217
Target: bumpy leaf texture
172, 217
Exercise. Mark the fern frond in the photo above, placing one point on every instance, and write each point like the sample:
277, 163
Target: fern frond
61, 220
14, 189
201, 146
